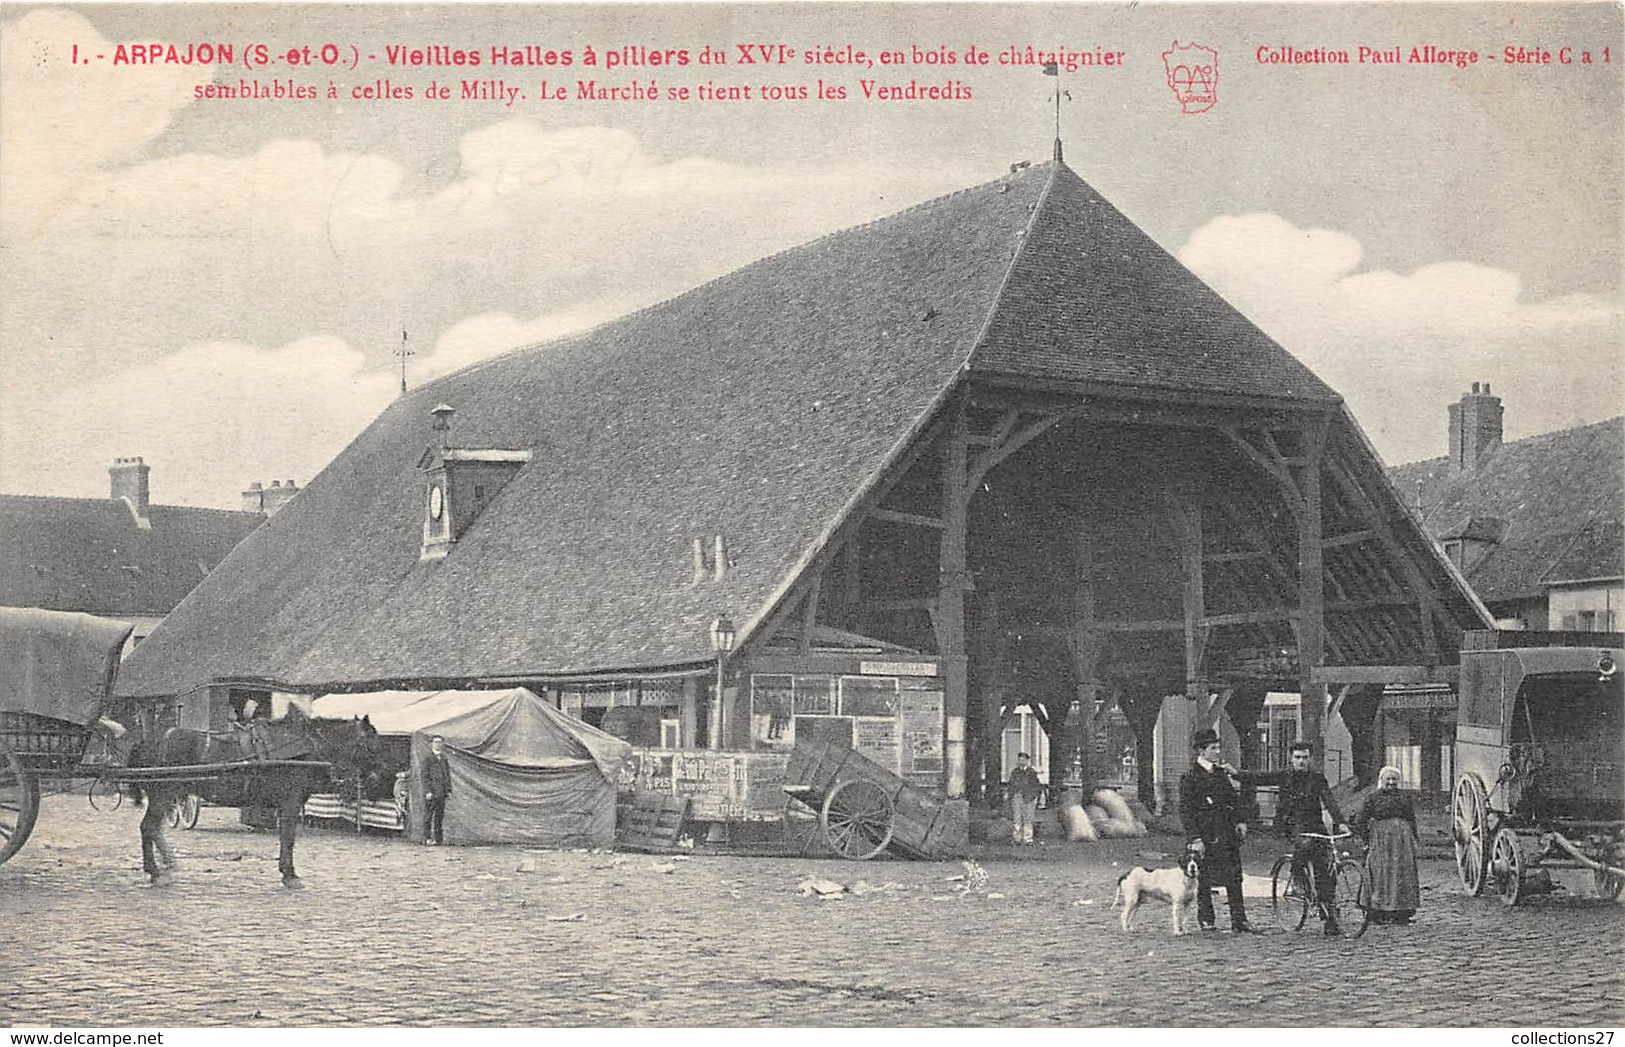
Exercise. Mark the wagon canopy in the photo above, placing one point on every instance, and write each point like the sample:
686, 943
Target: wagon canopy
57, 663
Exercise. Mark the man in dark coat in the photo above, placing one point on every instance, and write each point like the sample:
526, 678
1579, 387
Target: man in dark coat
436, 787
1210, 808
1024, 789
1304, 795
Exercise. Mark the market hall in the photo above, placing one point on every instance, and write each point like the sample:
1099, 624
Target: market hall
997, 453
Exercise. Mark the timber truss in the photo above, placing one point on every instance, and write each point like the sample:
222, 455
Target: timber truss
1189, 545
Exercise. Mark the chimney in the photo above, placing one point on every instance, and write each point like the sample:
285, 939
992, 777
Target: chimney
1475, 429
261, 499
129, 476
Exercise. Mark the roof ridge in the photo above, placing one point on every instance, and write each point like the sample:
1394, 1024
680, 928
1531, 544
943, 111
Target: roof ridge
82, 499
748, 266
1026, 236
56, 497
1522, 440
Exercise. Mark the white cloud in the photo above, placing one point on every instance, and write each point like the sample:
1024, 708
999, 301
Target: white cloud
209, 419
491, 334
64, 122
212, 417
229, 317
1400, 346
191, 263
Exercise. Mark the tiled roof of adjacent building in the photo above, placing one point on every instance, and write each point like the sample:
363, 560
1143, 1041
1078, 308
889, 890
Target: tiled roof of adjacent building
88, 554
1559, 498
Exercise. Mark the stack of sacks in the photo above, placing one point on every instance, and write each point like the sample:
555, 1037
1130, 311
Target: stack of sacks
1077, 822
1112, 816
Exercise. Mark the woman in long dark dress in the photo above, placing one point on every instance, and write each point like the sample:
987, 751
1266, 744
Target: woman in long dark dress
1387, 821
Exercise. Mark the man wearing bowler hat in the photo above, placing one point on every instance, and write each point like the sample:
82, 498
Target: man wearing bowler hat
1210, 807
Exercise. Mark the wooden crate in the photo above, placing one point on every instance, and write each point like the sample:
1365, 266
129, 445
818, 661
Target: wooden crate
652, 821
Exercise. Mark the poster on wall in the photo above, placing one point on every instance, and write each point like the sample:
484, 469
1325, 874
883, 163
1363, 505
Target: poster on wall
922, 734
876, 738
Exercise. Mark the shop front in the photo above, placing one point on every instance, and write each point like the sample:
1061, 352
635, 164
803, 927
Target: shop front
890, 710
1418, 735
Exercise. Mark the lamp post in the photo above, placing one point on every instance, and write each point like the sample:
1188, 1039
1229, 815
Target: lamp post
722, 641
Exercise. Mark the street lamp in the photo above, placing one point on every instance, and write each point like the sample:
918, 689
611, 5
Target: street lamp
722, 641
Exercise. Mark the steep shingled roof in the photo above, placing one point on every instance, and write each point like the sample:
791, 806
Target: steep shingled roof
87, 554
1094, 299
1561, 496
759, 406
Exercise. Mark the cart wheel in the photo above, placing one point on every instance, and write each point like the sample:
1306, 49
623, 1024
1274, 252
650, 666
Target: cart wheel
172, 817
105, 794
189, 807
19, 802
1469, 819
857, 819
1507, 865
1288, 897
1352, 912
1608, 884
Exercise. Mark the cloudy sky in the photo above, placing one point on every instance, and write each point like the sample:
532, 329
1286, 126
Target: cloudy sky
218, 285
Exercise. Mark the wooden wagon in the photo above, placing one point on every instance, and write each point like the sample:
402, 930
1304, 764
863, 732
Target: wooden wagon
1539, 755
864, 809
56, 670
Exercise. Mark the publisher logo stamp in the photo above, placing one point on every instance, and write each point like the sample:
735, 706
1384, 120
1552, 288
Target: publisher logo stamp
1192, 73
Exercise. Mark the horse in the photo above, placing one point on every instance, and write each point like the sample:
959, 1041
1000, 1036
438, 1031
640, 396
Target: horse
350, 747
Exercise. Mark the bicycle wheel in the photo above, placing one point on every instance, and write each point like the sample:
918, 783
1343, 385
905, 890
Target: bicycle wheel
172, 817
105, 795
1351, 910
189, 808
1288, 898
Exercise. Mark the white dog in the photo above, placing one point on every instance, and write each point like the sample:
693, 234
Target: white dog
1175, 886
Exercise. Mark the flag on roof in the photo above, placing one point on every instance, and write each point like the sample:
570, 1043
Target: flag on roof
1051, 69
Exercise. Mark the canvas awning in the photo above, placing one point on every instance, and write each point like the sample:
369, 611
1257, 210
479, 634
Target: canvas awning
56, 663
400, 713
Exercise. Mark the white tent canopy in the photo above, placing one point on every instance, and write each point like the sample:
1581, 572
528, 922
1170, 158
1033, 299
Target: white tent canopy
400, 713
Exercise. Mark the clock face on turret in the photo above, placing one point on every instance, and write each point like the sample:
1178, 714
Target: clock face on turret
437, 503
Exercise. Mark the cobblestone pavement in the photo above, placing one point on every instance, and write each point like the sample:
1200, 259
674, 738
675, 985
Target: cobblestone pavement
390, 933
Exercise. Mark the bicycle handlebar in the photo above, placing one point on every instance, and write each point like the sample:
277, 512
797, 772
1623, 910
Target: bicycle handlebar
1324, 836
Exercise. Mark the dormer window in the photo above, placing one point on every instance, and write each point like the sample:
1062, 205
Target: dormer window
459, 482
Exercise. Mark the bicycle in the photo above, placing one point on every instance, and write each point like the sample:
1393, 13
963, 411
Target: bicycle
184, 812
1292, 895
105, 794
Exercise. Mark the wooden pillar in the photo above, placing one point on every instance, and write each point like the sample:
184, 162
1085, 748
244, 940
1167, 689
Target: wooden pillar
1311, 599
985, 753
1189, 526
1086, 645
950, 617
688, 726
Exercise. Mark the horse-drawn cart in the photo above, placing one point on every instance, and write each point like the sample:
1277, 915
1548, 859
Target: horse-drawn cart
1539, 755
56, 670
863, 809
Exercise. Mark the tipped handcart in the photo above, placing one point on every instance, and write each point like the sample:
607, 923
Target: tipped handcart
864, 810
